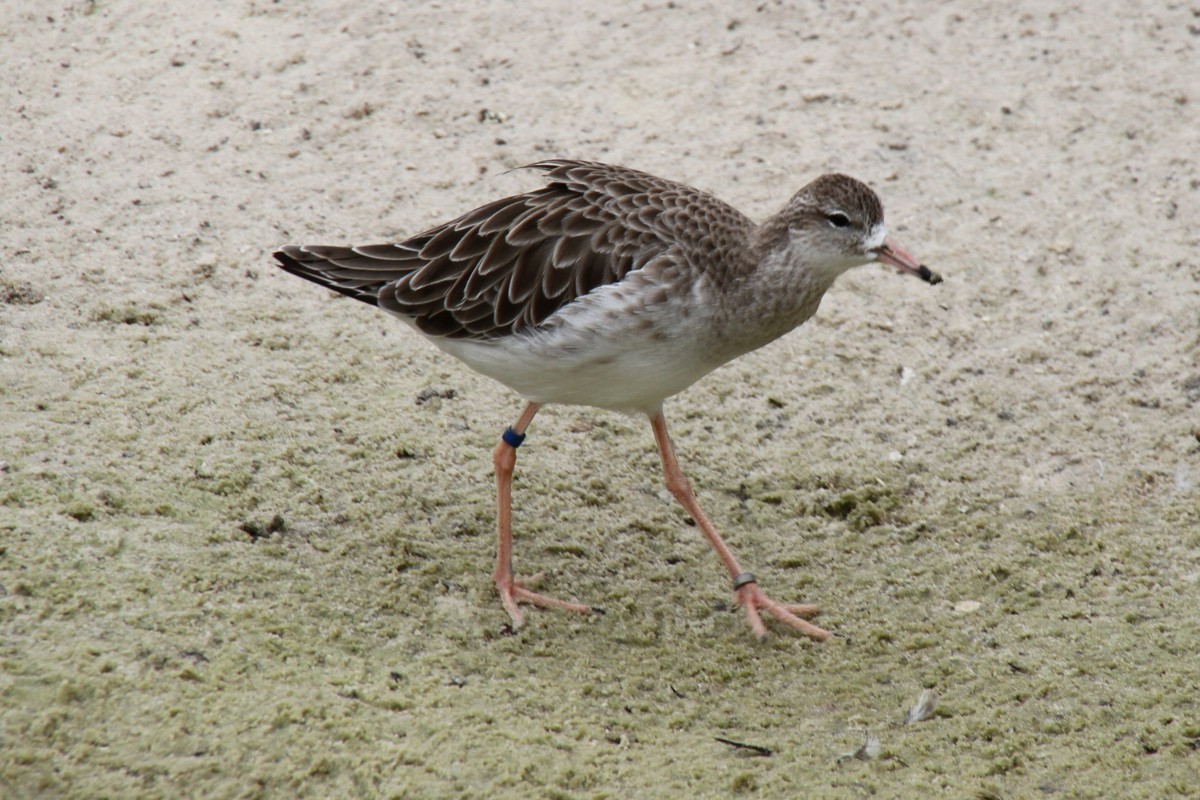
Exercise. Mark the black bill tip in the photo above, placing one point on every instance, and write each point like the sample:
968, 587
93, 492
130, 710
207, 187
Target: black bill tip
928, 275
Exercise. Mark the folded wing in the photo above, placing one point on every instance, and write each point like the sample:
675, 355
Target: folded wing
510, 265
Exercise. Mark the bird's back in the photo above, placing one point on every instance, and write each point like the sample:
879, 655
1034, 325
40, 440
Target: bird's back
511, 265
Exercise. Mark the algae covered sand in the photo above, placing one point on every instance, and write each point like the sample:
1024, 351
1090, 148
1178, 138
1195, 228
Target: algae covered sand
246, 528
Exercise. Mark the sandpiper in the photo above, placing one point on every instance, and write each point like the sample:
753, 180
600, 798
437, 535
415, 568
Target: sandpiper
613, 288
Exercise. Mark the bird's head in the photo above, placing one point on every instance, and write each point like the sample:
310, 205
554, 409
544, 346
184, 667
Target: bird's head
835, 223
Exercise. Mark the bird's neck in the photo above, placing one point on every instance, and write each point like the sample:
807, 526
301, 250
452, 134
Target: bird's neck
780, 292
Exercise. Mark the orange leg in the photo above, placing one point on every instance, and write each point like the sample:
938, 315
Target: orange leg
511, 590
745, 587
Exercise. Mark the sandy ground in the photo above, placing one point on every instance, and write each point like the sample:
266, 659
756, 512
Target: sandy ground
246, 527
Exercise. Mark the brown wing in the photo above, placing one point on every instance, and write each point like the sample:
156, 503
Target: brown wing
511, 264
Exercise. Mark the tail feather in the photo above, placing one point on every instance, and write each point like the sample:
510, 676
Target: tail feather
321, 269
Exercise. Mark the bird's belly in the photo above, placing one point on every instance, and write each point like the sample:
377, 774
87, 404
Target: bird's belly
629, 368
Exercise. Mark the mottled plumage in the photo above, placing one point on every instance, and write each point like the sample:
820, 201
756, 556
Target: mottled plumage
613, 288
510, 265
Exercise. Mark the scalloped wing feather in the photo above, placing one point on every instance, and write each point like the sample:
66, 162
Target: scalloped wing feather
512, 264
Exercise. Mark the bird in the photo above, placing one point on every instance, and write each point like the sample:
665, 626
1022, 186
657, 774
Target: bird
612, 288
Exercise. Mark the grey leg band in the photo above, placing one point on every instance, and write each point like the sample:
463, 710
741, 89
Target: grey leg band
743, 579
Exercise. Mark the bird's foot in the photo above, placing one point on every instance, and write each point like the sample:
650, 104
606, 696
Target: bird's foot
754, 599
513, 592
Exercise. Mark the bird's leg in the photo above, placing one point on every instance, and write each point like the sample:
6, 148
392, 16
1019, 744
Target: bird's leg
512, 591
749, 595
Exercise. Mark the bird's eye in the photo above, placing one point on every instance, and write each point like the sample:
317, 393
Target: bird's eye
838, 220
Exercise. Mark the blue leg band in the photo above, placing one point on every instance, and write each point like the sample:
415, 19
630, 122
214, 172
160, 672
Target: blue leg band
512, 438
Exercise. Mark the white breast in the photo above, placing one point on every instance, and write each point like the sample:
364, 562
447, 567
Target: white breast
624, 347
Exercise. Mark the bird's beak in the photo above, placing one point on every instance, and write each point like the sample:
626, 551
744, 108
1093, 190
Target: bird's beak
891, 253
